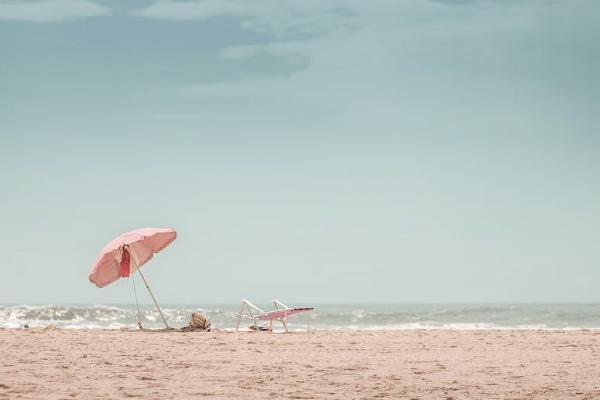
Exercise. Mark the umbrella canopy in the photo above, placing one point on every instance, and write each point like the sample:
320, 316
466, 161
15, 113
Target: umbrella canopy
136, 247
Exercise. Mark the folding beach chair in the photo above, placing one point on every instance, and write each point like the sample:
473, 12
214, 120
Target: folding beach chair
280, 313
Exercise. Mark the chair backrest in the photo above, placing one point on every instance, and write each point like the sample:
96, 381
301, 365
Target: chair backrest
252, 306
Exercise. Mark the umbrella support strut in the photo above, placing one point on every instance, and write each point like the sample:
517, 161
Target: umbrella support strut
153, 298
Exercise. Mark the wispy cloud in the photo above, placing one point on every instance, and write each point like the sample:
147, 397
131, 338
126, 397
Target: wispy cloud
189, 10
408, 67
280, 18
50, 10
288, 27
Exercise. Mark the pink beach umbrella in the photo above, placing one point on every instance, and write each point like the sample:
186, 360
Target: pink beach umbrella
126, 254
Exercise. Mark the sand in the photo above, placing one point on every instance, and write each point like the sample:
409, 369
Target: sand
93, 364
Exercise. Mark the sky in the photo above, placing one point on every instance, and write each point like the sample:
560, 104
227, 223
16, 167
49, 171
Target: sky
339, 151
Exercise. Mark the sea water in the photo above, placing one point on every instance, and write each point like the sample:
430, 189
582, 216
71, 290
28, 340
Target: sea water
324, 317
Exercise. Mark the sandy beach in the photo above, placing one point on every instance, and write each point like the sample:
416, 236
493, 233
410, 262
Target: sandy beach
92, 364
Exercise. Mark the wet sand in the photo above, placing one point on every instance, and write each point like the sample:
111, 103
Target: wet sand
93, 364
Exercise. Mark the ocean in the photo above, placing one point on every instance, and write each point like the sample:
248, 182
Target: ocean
324, 317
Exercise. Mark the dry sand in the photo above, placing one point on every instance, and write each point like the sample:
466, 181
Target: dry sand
85, 364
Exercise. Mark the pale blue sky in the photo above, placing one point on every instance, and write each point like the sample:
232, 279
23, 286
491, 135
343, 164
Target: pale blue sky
388, 151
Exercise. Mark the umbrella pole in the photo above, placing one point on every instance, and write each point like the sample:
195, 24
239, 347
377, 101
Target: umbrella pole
153, 298
137, 305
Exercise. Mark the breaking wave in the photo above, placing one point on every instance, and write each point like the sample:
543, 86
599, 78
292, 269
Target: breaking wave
328, 317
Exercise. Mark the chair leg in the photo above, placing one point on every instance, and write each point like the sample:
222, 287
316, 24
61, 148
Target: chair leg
284, 322
239, 318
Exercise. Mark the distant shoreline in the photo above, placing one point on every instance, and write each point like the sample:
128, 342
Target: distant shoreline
344, 317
